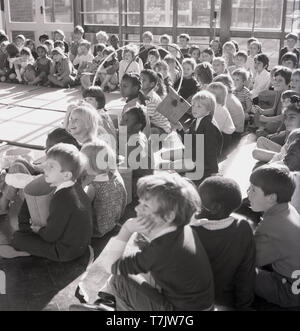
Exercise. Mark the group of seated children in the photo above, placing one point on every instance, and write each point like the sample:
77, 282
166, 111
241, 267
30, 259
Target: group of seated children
194, 253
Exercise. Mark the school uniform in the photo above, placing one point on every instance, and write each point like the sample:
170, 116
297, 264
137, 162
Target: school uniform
189, 87
277, 244
180, 268
68, 231
213, 142
230, 247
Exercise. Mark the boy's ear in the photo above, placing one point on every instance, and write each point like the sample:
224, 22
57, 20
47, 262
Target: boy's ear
272, 198
68, 175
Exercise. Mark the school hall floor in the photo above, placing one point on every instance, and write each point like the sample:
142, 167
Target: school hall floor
27, 114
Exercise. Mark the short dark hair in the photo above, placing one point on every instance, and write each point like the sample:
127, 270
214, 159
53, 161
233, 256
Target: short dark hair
61, 135
186, 36
140, 116
173, 193
12, 50
154, 52
69, 158
100, 48
290, 57
242, 73
194, 48
224, 191
59, 43
263, 58
44, 36
26, 51
97, 93
204, 73
134, 79
151, 74
209, 51
274, 180
286, 73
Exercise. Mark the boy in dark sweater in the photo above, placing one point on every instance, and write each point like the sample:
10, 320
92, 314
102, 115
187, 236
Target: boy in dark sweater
189, 85
69, 226
277, 236
229, 243
174, 256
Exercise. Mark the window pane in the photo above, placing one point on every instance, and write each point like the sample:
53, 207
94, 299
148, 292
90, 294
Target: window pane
269, 46
194, 13
107, 12
22, 11
58, 11
292, 16
268, 14
158, 12
132, 18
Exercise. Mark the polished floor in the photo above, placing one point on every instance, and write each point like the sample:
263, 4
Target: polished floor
27, 114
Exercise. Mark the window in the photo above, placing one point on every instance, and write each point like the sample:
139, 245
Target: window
107, 12
268, 14
196, 13
22, 11
158, 12
292, 16
58, 11
131, 9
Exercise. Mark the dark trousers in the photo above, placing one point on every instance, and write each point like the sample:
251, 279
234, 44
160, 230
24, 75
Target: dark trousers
131, 296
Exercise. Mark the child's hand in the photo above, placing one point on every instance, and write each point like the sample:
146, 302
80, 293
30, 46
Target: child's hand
140, 225
35, 229
176, 126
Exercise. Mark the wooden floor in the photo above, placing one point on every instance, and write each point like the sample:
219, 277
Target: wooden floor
27, 114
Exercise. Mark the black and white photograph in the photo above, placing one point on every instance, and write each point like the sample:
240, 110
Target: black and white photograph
149, 158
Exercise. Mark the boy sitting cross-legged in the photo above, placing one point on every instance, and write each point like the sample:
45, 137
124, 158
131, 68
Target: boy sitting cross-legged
229, 243
69, 225
277, 236
174, 255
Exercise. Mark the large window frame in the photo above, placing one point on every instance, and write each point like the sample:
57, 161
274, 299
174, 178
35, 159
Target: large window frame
224, 32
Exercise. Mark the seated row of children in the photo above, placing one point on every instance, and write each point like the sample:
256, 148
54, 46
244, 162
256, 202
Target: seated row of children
218, 254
